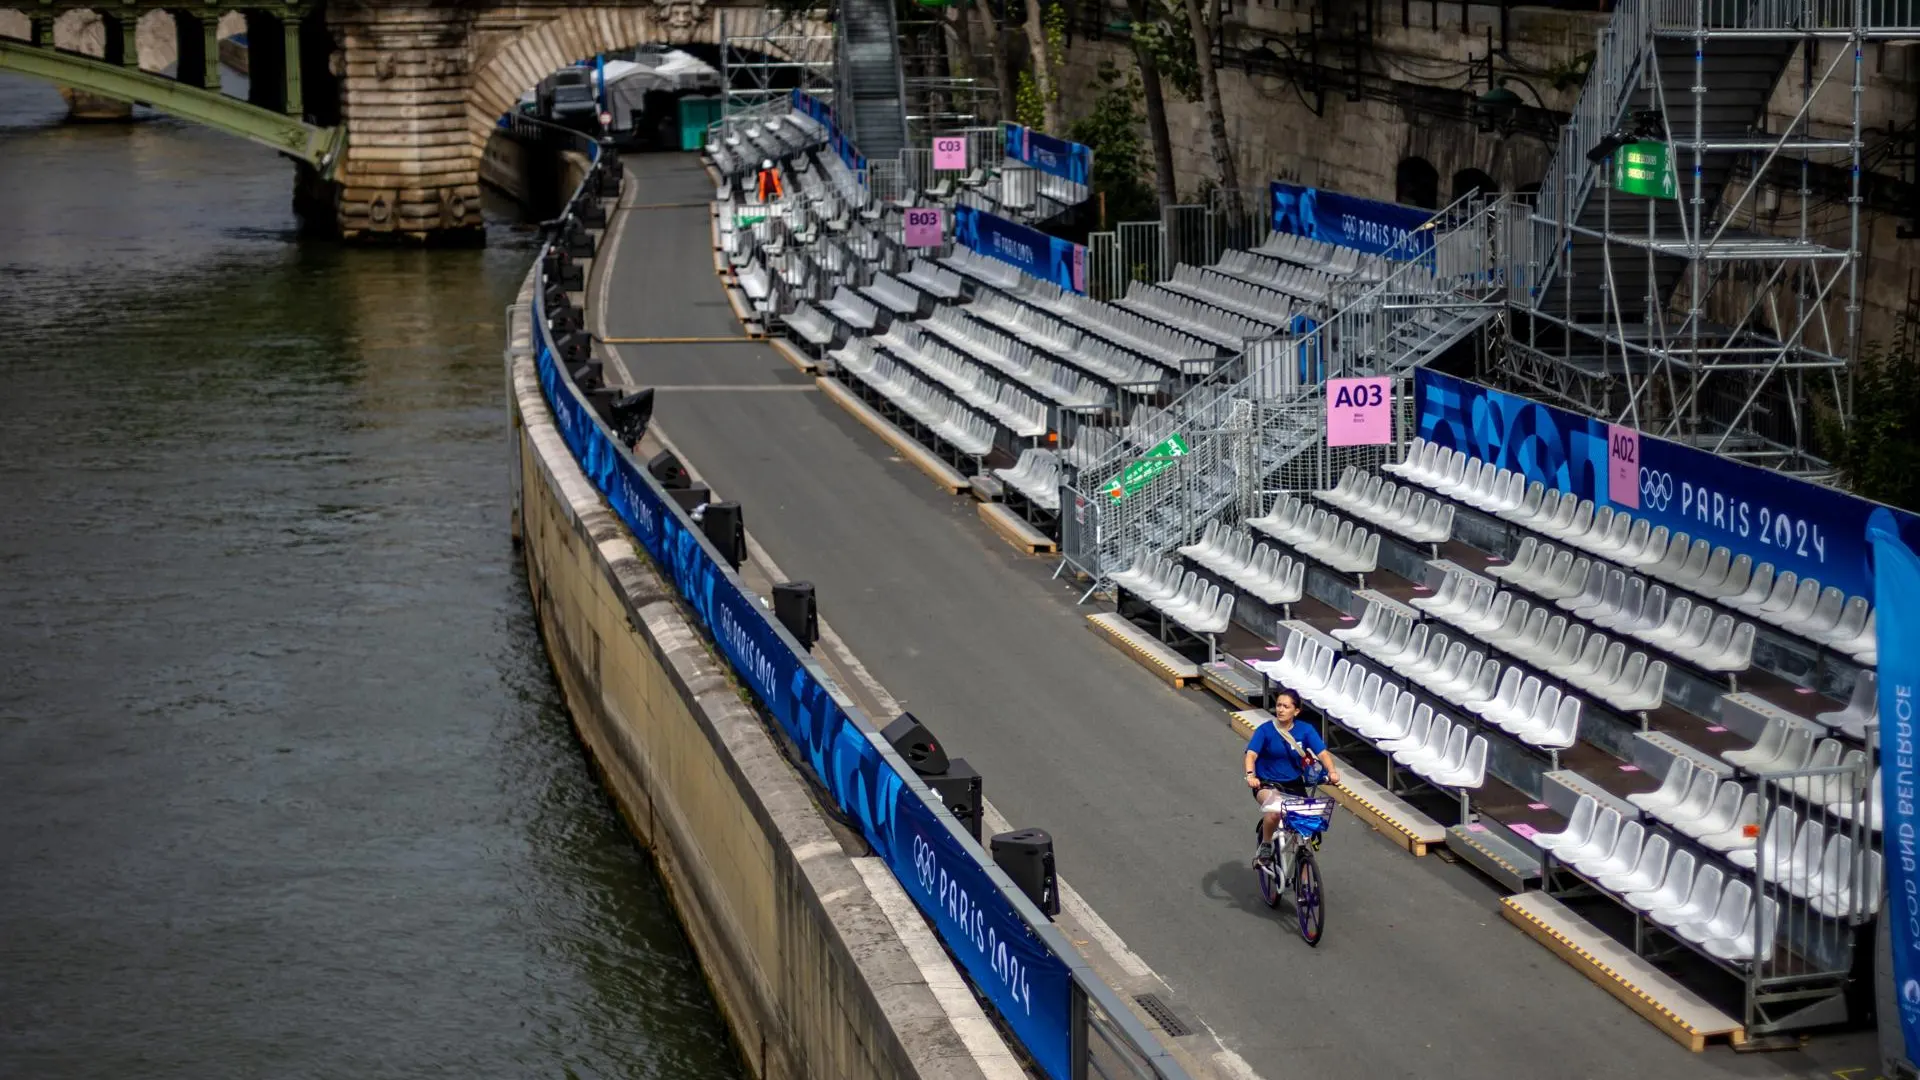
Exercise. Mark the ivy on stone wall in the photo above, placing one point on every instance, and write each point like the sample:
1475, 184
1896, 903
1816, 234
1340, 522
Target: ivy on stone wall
1029, 109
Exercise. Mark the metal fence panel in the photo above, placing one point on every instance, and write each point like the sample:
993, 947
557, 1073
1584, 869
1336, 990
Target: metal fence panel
1815, 882
1143, 250
1106, 275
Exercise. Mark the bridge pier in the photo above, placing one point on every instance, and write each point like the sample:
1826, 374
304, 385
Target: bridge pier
411, 171
121, 44
197, 44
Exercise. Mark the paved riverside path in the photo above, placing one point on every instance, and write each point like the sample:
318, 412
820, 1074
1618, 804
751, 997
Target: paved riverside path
1139, 784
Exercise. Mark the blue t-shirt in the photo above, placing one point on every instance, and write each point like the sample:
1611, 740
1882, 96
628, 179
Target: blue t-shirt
1276, 760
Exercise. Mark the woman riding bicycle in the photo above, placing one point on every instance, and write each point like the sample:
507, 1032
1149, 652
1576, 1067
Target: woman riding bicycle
1285, 755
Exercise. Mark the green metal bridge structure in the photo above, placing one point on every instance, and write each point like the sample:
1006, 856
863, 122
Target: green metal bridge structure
283, 41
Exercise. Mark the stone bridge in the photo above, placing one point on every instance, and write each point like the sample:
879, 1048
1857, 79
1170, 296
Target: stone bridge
386, 104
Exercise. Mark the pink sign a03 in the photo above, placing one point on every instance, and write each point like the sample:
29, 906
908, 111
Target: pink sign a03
1360, 411
1623, 466
950, 152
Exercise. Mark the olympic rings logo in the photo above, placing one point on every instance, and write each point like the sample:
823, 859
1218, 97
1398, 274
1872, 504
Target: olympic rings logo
1656, 489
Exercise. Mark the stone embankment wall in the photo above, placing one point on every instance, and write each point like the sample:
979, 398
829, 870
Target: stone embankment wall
796, 934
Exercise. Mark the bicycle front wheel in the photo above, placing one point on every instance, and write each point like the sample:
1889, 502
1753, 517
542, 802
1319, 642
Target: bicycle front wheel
1309, 903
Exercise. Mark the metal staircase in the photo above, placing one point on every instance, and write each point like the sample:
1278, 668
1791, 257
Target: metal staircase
1703, 316
872, 89
1258, 422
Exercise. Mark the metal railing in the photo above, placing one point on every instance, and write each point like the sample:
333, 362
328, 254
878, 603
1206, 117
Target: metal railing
1262, 411
1619, 54
1103, 1032
1816, 880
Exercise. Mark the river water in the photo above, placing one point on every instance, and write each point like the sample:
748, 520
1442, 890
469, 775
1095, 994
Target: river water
286, 788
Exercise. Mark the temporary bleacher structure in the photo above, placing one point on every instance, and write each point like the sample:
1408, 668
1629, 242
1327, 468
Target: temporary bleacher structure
1602, 647
1255, 422
1632, 288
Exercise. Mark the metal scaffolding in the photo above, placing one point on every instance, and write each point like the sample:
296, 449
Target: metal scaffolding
1687, 278
767, 52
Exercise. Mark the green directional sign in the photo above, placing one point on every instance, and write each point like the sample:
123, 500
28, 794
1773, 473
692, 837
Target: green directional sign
1159, 458
1644, 168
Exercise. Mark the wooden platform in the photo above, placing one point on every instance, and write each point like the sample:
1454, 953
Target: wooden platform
1142, 646
1685, 1016
800, 361
905, 445
1014, 530
743, 310
1393, 816
1479, 845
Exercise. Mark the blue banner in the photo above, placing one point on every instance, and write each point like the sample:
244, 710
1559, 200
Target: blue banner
1026, 982
1043, 152
821, 111
1814, 531
1896, 583
1046, 257
1350, 221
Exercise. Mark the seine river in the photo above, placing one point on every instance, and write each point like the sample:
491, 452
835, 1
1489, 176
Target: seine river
286, 789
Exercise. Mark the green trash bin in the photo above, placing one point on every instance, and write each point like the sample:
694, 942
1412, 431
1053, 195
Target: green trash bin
696, 115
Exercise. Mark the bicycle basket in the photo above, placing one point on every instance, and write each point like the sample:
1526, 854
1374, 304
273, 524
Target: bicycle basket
1309, 817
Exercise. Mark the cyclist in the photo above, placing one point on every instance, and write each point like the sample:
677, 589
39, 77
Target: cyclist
1283, 755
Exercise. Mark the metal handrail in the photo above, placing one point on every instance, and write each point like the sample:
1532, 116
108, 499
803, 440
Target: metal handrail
1232, 376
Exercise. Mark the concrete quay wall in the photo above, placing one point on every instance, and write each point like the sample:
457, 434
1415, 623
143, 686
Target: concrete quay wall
818, 973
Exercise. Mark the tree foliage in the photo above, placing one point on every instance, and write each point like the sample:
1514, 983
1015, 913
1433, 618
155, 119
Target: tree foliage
1878, 454
1111, 128
1168, 36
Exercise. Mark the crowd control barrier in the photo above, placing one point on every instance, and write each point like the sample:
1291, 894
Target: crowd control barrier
1044, 991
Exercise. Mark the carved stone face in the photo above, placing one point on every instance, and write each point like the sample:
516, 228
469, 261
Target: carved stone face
679, 17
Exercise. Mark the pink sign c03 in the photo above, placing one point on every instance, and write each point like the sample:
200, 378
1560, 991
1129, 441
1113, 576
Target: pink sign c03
950, 152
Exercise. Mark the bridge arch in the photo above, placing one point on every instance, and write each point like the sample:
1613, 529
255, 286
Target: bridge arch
514, 65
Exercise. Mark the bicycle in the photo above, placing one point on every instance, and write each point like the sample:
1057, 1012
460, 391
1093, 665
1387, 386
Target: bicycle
1293, 867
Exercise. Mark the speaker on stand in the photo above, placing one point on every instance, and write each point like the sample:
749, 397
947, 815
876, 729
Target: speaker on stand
911, 740
1027, 857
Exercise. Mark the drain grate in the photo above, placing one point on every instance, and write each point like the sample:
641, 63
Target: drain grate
1161, 1014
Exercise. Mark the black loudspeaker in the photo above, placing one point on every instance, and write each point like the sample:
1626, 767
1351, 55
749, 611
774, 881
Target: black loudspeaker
911, 740
959, 789
590, 213
632, 413
565, 320
601, 400
667, 469
556, 297
1027, 857
612, 167
793, 605
563, 271
575, 240
694, 494
727, 528
575, 347
586, 376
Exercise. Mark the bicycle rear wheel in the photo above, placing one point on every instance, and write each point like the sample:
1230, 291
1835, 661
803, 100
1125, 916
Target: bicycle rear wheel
1309, 904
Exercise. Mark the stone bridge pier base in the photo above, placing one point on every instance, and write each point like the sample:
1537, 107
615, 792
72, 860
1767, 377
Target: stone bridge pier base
410, 171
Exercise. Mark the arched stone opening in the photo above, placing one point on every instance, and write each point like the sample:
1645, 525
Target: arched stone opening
1467, 181
1417, 183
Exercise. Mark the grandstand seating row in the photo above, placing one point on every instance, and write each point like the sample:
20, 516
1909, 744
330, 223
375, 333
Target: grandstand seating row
1823, 616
